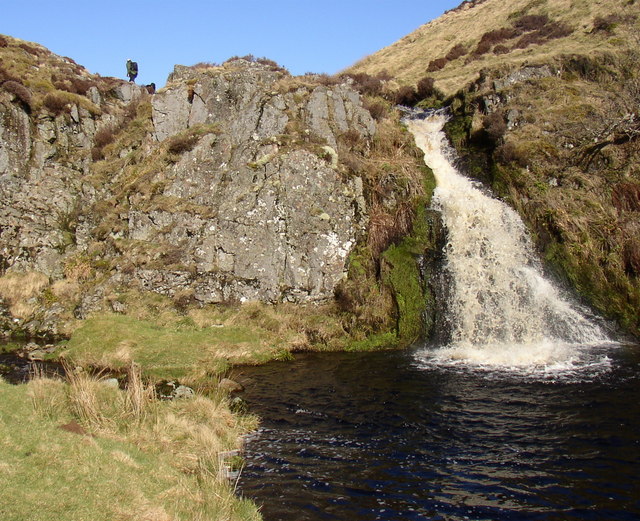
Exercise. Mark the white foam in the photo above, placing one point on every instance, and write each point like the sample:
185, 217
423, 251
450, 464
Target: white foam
545, 360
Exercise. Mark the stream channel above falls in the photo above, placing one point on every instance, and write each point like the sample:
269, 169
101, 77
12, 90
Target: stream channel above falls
398, 435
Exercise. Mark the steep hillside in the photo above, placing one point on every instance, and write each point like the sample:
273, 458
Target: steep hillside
481, 34
544, 99
235, 183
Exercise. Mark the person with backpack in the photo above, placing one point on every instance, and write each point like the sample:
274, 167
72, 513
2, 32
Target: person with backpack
132, 70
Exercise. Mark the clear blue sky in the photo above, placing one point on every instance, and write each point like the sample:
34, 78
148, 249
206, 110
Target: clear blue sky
301, 35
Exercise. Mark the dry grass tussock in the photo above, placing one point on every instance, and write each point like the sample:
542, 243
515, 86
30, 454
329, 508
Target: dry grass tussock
47, 396
20, 289
299, 328
192, 436
408, 59
66, 290
293, 83
105, 409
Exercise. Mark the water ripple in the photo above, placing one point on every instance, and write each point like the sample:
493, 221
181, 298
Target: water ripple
394, 436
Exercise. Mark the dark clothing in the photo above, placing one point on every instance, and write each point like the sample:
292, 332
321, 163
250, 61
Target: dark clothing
132, 70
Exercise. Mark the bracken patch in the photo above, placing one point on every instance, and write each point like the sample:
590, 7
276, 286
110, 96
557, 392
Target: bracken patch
56, 103
626, 197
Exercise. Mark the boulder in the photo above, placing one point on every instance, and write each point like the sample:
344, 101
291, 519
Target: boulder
182, 392
36, 355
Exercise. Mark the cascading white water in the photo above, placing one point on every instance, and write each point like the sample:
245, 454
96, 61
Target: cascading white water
501, 310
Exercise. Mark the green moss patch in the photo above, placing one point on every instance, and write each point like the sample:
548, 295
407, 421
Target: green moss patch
414, 299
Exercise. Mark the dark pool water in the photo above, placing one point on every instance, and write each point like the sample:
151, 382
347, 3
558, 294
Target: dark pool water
387, 436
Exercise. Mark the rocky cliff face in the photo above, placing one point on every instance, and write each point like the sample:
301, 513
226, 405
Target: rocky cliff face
42, 166
228, 185
275, 222
45, 158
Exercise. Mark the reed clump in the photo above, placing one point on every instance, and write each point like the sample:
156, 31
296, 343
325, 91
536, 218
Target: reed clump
20, 290
141, 457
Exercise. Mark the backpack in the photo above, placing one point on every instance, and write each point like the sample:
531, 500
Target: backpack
134, 67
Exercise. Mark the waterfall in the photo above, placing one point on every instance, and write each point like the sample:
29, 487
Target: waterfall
500, 308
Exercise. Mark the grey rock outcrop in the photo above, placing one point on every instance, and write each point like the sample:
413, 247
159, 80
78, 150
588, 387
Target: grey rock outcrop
281, 220
43, 159
257, 207
280, 231
524, 74
244, 100
231, 386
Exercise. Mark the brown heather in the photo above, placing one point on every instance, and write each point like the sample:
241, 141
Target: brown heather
555, 26
56, 103
19, 91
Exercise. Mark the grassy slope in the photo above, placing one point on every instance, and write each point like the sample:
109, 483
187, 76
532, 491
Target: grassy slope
160, 463
53, 82
197, 345
407, 59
